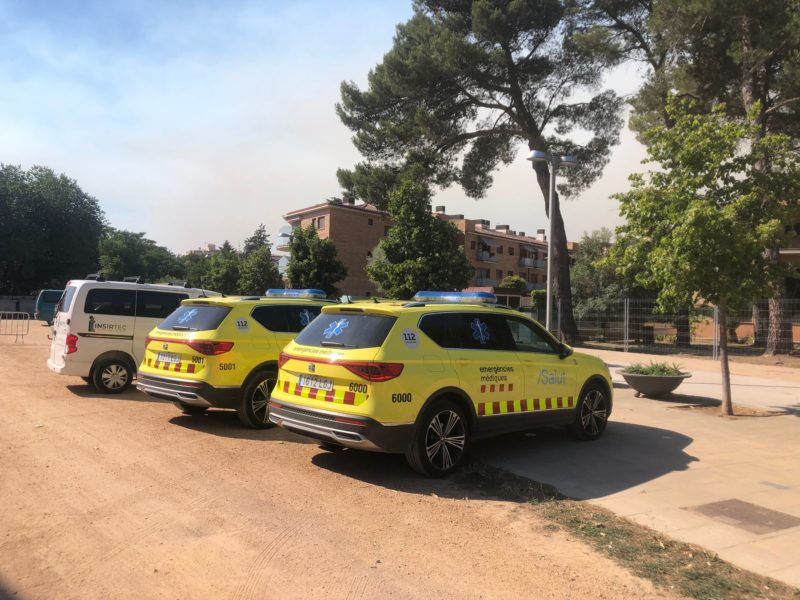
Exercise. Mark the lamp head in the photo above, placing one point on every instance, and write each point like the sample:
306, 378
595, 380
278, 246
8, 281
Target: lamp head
538, 156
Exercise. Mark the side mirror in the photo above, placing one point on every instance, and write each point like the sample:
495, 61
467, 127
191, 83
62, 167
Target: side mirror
564, 351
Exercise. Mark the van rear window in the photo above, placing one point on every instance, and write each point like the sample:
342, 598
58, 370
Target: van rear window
51, 297
340, 330
195, 317
66, 300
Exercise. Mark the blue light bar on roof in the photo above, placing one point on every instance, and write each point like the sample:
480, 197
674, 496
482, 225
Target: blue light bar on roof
281, 293
456, 297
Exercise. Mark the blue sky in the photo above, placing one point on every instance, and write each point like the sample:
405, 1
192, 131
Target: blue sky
195, 122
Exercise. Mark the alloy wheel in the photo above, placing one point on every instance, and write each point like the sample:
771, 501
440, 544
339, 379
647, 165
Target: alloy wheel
593, 412
444, 440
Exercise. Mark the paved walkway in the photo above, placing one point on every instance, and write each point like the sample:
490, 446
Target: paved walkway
731, 485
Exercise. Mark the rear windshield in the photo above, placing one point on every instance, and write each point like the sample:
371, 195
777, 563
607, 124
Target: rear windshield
51, 297
346, 331
66, 300
195, 317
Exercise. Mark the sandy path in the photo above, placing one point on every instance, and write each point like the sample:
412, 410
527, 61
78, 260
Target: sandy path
122, 497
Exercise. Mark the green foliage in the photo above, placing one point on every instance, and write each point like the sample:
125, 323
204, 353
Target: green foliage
421, 251
49, 230
539, 298
596, 286
513, 282
313, 262
258, 273
658, 368
259, 239
224, 270
697, 227
125, 253
195, 269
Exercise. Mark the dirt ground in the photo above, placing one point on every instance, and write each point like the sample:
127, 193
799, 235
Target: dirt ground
123, 497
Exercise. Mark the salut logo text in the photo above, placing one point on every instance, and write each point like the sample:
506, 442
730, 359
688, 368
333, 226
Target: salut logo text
547, 377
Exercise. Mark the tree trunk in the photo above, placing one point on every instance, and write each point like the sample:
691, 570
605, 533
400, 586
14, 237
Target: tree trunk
683, 329
779, 337
562, 288
727, 404
759, 326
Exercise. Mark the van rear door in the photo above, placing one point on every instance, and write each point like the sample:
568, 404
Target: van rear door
58, 345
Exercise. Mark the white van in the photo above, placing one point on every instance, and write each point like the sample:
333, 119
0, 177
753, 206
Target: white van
100, 326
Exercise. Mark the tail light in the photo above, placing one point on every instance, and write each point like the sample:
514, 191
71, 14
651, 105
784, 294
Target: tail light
72, 343
282, 359
374, 371
210, 348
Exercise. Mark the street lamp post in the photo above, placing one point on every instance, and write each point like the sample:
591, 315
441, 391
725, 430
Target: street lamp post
554, 162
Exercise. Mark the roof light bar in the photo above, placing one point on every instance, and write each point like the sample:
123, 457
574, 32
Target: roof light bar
456, 297
288, 293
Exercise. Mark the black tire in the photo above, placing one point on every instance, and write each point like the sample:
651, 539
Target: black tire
188, 409
253, 409
87, 380
441, 439
112, 376
591, 414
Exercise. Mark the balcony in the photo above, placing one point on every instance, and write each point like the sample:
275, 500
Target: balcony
485, 256
532, 263
485, 282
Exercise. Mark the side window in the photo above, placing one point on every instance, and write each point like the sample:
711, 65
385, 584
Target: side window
285, 319
157, 305
529, 339
104, 301
470, 331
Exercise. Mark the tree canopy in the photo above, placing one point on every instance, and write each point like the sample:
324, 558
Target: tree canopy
125, 253
258, 271
421, 252
313, 262
224, 270
463, 86
49, 230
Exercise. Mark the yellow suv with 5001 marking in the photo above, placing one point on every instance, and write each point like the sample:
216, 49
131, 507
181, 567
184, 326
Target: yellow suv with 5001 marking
427, 377
223, 352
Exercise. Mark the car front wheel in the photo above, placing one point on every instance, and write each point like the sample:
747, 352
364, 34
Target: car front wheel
440, 440
591, 415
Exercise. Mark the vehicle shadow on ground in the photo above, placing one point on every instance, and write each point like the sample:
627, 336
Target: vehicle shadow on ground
86, 390
225, 423
626, 456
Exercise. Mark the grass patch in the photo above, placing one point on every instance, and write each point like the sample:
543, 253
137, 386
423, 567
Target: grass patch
670, 564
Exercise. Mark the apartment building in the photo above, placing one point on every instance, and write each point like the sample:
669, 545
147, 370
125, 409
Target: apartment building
356, 230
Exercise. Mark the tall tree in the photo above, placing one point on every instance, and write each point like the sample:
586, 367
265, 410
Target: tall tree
224, 270
697, 227
464, 84
313, 262
125, 253
259, 239
259, 271
195, 269
596, 285
421, 252
49, 229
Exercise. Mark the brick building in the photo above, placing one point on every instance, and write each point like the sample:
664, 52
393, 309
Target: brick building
356, 230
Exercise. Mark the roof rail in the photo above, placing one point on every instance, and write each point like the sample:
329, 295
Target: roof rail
95, 276
133, 279
178, 283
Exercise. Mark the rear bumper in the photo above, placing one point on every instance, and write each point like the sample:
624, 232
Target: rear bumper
70, 367
351, 431
193, 393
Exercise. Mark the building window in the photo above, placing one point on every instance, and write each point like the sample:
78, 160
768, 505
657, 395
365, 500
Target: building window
499, 273
369, 294
499, 249
511, 250
472, 245
511, 273
321, 223
369, 221
369, 254
534, 279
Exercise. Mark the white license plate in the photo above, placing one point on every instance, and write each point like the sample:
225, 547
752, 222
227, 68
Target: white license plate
168, 357
319, 383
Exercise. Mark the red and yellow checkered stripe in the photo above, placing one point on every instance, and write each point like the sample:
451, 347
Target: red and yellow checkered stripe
334, 396
502, 407
180, 367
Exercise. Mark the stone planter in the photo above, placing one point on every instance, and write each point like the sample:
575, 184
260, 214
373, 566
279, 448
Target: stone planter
654, 386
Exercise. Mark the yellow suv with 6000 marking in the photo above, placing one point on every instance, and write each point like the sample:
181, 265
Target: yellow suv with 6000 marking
427, 377
223, 351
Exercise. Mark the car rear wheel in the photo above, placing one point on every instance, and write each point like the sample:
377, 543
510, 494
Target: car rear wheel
112, 376
440, 441
253, 409
188, 409
591, 415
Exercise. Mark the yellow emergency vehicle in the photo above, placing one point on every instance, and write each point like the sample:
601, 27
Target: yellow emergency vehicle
427, 377
223, 352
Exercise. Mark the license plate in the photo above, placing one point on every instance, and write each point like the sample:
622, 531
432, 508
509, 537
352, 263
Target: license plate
319, 383
168, 357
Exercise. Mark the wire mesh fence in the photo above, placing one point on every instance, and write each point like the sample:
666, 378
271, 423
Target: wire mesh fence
636, 325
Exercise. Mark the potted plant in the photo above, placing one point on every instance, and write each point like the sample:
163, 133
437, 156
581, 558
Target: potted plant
655, 379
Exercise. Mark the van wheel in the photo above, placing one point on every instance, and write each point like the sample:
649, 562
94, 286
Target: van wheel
188, 409
112, 376
253, 409
440, 440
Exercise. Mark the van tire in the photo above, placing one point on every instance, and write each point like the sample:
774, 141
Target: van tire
442, 418
253, 409
112, 375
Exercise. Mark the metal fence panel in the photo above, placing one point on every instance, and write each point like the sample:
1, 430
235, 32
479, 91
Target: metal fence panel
17, 324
